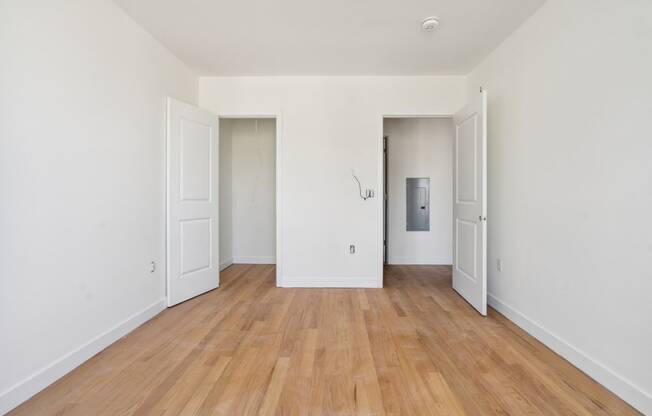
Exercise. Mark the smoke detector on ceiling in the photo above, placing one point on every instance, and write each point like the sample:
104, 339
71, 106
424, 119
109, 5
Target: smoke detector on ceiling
429, 24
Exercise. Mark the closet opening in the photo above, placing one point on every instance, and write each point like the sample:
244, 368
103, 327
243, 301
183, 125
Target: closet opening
247, 188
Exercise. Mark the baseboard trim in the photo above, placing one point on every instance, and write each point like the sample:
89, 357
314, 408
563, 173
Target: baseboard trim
613, 381
22, 391
330, 282
408, 261
226, 263
255, 260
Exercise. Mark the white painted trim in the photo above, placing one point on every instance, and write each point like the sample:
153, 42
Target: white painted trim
332, 282
619, 385
254, 260
226, 263
419, 261
279, 201
162, 263
39, 380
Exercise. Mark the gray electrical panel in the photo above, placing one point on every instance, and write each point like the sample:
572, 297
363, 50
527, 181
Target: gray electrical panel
418, 204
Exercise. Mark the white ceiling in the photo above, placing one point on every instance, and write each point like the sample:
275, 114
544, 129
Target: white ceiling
329, 37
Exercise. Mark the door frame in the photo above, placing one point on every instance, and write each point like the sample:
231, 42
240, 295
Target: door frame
385, 199
279, 181
381, 183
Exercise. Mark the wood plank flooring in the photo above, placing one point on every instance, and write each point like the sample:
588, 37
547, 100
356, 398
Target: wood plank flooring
413, 348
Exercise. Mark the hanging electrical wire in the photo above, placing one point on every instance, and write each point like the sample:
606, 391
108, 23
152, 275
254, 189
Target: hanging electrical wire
368, 193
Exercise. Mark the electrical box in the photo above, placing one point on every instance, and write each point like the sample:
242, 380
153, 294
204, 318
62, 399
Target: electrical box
418, 204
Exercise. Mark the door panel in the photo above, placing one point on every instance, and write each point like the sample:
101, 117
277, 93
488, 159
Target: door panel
196, 178
470, 204
192, 202
466, 236
467, 160
196, 245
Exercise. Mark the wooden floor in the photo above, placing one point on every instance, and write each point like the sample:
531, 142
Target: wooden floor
413, 348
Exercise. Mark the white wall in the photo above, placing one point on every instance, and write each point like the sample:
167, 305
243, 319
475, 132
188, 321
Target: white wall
81, 179
570, 185
250, 153
420, 148
330, 125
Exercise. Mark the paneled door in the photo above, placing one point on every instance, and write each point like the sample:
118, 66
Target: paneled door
470, 203
192, 202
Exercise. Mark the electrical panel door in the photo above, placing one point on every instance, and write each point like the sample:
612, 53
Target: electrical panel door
418, 204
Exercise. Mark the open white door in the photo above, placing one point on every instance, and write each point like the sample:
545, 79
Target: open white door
192, 202
470, 203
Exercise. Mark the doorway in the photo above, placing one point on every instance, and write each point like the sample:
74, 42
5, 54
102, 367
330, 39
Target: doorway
407, 229
418, 190
247, 180
199, 184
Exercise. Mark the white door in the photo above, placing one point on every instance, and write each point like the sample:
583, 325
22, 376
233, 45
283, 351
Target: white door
470, 203
192, 202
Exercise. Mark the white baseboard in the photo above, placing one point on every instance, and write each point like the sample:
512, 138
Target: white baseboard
226, 263
618, 384
414, 261
255, 260
36, 382
330, 282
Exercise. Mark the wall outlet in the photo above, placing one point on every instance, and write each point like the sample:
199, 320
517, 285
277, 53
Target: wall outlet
352, 249
499, 265
152, 266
